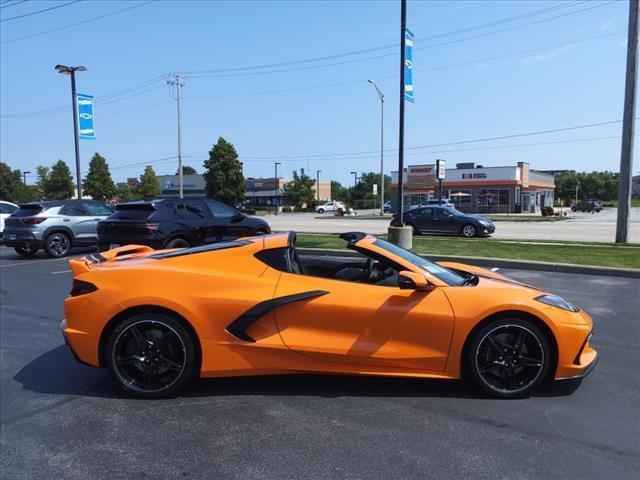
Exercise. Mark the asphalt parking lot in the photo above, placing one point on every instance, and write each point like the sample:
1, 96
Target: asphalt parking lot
60, 419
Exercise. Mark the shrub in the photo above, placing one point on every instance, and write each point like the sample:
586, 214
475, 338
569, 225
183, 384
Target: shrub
547, 211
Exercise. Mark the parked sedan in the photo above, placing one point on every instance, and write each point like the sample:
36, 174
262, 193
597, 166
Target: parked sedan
176, 223
587, 206
331, 207
6, 209
56, 226
445, 221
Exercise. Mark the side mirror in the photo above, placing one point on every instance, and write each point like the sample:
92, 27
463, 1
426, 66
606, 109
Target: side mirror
238, 217
413, 281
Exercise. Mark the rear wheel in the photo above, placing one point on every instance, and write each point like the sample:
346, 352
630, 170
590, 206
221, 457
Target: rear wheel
151, 355
57, 244
508, 357
178, 243
469, 231
261, 231
26, 250
321, 211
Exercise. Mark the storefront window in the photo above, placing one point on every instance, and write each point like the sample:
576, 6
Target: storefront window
459, 197
492, 200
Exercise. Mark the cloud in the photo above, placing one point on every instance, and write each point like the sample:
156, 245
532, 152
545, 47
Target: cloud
541, 57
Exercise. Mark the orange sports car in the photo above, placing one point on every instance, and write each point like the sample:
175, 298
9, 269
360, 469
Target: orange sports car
258, 306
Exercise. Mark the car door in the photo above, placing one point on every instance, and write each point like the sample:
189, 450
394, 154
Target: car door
195, 219
98, 211
227, 220
77, 219
422, 218
364, 325
444, 221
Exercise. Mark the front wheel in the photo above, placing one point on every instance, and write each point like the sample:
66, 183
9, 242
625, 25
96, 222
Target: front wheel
57, 245
151, 355
178, 243
508, 358
321, 211
469, 231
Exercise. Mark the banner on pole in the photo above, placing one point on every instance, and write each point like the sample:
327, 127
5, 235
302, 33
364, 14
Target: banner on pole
408, 65
86, 129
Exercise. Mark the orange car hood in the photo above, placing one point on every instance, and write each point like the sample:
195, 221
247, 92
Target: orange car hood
484, 273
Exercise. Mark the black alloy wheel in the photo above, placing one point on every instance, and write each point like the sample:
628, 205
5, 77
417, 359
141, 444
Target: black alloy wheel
178, 243
151, 355
509, 358
57, 245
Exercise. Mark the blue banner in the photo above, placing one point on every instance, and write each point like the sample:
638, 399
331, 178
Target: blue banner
86, 129
408, 65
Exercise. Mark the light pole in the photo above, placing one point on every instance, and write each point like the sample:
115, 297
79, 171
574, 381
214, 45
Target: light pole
277, 183
355, 179
380, 94
178, 83
24, 177
63, 69
318, 185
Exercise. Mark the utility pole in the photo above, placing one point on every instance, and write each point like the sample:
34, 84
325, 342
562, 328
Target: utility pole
277, 187
355, 179
318, 185
381, 96
178, 83
65, 70
24, 177
403, 28
628, 127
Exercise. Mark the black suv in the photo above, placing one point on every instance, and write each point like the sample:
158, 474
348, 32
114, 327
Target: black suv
445, 220
176, 223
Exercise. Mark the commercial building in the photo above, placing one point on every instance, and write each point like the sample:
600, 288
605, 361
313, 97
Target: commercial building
258, 191
477, 189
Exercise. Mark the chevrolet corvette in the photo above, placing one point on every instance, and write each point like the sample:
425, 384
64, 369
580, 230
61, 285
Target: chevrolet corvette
258, 306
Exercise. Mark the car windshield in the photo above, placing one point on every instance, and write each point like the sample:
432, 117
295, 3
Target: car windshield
448, 276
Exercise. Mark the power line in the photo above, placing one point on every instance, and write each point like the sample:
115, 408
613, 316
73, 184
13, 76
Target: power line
386, 47
24, 37
7, 6
39, 11
212, 74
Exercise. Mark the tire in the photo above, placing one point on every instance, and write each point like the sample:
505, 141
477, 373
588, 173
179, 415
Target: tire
151, 355
469, 231
26, 250
261, 231
321, 211
57, 244
573, 209
177, 243
493, 367
414, 230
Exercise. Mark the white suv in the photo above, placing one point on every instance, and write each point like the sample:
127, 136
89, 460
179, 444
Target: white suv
331, 207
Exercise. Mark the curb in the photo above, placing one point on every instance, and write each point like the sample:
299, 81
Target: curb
505, 263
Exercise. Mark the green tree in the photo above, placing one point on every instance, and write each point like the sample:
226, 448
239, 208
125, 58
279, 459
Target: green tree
299, 191
98, 183
124, 193
223, 174
361, 196
148, 187
10, 183
58, 183
187, 170
338, 192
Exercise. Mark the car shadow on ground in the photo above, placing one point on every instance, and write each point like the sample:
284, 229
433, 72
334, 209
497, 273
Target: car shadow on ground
57, 373
9, 253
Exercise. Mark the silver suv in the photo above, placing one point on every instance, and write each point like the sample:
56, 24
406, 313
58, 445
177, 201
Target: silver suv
56, 226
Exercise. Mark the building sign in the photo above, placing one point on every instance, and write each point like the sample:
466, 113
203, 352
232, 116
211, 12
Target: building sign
441, 169
86, 129
408, 65
375, 188
468, 176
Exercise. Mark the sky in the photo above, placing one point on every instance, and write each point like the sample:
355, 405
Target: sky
287, 82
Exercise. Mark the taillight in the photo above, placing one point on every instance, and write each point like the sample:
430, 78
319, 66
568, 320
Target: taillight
81, 288
34, 220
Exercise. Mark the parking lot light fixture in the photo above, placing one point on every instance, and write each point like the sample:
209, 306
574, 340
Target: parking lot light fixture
355, 179
71, 71
381, 96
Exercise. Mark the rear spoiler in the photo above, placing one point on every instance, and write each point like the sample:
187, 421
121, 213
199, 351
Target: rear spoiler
81, 265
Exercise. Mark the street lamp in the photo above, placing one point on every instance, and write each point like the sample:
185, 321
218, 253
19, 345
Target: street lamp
381, 145
318, 184
277, 187
355, 179
63, 69
24, 177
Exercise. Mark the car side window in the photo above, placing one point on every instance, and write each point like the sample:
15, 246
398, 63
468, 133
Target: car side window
73, 210
427, 212
97, 209
195, 210
6, 208
220, 210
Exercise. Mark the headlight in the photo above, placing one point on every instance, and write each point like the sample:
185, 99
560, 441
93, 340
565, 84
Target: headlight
556, 301
486, 223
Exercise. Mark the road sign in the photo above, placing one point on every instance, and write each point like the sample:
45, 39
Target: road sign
375, 188
86, 129
408, 65
440, 169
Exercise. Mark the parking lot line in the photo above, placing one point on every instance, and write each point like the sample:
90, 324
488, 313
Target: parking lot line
61, 271
31, 262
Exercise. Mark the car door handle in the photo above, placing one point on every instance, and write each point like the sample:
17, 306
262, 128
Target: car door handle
66, 219
97, 219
